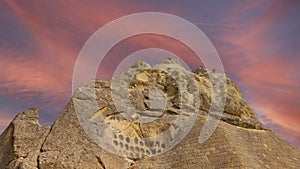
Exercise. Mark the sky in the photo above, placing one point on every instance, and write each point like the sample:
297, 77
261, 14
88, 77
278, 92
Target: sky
257, 41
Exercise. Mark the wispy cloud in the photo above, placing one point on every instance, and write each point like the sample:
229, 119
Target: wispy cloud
257, 55
257, 42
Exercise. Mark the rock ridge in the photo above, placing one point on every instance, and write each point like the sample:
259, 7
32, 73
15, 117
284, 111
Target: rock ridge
156, 131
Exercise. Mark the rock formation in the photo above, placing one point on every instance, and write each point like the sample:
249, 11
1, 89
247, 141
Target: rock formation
169, 106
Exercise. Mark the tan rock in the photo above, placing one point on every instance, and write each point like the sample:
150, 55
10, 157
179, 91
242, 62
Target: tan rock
158, 109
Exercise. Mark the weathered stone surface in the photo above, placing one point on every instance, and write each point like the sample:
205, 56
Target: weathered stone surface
156, 94
21, 142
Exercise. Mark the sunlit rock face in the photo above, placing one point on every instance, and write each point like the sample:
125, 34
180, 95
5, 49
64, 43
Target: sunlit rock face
148, 117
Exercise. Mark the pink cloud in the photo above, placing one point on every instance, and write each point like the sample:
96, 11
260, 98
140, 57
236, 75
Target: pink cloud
135, 43
62, 27
260, 66
30, 76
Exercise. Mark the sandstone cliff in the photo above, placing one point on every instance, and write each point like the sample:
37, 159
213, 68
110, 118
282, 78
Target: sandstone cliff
159, 132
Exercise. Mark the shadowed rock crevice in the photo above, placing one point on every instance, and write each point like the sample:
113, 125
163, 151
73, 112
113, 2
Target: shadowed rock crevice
41, 148
100, 162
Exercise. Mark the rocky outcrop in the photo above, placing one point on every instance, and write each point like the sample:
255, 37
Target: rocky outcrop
148, 117
22, 141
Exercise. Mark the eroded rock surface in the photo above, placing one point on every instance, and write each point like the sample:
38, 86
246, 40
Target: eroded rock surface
21, 142
160, 128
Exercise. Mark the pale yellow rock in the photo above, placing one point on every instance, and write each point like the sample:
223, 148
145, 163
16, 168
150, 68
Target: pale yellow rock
142, 77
